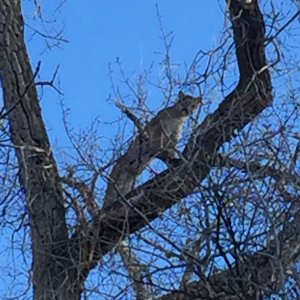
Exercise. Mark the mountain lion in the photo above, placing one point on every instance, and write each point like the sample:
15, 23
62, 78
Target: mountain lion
158, 140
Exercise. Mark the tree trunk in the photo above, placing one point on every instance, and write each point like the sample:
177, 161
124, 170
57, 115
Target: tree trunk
54, 274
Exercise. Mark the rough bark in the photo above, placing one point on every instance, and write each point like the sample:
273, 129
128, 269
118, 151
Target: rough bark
53, 270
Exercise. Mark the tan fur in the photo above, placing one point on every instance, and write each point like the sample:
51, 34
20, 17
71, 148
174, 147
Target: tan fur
163, 132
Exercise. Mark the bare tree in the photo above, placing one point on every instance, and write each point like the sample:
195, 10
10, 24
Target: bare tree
220, 220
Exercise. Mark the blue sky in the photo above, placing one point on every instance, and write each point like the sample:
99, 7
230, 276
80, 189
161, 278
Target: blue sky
99, 32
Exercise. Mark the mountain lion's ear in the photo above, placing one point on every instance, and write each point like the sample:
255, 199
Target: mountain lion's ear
181, 95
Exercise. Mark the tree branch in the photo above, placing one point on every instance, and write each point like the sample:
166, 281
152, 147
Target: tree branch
258, 273
251, 96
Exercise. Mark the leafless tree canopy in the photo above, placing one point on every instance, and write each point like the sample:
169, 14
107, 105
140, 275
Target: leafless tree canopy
211, 214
